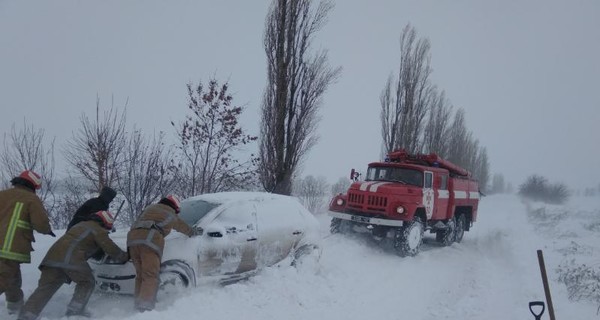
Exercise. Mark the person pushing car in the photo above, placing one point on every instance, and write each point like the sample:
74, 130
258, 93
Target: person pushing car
93, 205
21, 212
66, 261
145, 243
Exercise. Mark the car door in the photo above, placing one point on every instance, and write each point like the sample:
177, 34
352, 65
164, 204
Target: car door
231, 241
279, 229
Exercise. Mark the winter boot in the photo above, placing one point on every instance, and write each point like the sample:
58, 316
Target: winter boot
14, 307
81, 313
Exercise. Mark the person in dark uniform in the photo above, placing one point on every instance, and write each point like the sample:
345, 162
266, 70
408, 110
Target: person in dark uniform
93, 205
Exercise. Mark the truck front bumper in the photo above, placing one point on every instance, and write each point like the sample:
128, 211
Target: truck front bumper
366, 220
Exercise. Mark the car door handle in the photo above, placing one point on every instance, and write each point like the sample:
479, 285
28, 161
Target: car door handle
251, 239
296, 232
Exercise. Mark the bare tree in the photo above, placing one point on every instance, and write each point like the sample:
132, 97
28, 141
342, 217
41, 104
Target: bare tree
405, 102
26, 148
481, 169
498, 185
146, 174
73, 192
438, 126
341, 186
296, 82
312, 192
96, 150
457, 139
208, 141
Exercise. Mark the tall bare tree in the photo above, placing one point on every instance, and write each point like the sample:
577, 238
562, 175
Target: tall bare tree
437, 129
96, 149
405, 101
296, 82
26, 148
210, 143
146, 174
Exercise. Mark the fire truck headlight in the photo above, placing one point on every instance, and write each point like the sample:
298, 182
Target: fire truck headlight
400, 210
340, 202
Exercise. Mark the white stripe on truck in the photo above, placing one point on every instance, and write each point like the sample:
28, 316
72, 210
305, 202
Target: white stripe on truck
460, 194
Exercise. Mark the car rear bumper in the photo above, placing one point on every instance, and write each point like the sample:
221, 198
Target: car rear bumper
114, 278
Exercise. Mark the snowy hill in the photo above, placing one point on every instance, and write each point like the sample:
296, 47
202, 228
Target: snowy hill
492, 274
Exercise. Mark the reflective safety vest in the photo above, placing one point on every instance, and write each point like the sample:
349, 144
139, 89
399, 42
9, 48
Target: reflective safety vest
7, 243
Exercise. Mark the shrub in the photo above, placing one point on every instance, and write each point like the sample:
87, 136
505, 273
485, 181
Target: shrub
538, 188
582, 281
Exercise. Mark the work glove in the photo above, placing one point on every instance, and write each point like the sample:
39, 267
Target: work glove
122, 258
197, 231
52, 234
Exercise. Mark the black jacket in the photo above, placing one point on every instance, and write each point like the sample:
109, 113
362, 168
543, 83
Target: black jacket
93, 205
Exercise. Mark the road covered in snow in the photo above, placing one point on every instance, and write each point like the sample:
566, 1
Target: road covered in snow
492, 274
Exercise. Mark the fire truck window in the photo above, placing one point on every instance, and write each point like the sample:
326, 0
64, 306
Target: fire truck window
428, 179
444, 183
382, 174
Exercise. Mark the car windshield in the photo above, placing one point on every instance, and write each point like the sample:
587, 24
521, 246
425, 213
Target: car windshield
193, 211
402, 175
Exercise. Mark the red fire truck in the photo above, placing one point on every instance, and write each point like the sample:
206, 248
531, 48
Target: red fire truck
406, 195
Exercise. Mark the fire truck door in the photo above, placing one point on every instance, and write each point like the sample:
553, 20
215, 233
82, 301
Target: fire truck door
428, 194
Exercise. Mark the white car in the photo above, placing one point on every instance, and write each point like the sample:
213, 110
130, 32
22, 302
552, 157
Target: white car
242, 232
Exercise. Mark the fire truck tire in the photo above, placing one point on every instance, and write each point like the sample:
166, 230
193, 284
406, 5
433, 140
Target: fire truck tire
408, 238
447, 236
460, 228
339, 226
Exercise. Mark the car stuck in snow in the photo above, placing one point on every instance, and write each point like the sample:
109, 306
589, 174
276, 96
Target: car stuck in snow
239, 233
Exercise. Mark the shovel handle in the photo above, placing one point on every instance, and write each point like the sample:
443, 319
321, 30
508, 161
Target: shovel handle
532, 304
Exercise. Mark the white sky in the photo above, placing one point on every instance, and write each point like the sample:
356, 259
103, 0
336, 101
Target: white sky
525, 72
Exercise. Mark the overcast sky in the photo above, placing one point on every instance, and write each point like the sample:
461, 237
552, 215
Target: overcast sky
526, 72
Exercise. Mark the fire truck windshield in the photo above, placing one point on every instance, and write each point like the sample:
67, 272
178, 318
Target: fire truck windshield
401, 175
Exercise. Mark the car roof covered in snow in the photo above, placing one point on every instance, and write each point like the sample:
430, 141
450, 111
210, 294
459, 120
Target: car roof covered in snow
225, 197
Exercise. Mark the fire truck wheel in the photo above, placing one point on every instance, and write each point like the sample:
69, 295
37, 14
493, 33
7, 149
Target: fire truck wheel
408, 239
339, 226
460, 228
447, 236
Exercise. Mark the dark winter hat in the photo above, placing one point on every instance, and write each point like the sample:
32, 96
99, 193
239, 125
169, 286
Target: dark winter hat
107, 194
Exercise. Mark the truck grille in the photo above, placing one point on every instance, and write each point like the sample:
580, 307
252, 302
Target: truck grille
367, 202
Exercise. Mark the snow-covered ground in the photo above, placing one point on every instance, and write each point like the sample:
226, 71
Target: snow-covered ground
492, 274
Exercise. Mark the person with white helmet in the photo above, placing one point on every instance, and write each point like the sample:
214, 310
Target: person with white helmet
66, 261
21, 212
145, 243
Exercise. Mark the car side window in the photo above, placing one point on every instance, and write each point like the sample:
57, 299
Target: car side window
238, 218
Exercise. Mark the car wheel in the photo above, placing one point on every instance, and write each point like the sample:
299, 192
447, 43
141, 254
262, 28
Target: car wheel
172, 281
175, 276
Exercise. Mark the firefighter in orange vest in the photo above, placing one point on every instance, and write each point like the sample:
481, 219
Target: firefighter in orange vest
145, 242
21, 212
